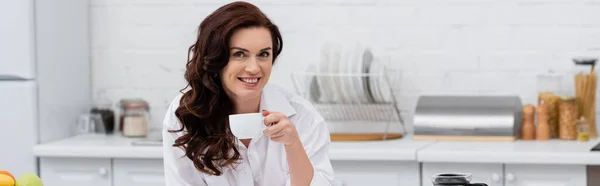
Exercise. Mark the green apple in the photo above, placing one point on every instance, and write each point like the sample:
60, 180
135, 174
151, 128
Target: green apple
29, 179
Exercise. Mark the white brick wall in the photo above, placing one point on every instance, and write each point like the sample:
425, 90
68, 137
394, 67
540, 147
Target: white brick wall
441, 46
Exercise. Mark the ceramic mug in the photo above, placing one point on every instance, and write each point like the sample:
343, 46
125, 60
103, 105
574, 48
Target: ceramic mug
249, 125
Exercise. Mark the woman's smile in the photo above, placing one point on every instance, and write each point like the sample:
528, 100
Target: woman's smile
249, 81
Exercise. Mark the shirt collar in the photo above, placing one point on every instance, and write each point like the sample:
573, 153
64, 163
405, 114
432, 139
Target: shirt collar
273, 99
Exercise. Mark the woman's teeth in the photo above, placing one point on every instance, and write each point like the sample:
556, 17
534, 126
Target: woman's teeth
249, 80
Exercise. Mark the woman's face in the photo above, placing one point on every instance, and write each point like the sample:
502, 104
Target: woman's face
250, 63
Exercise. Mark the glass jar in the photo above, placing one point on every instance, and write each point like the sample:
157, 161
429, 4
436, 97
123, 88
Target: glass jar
585, 85
550, 89
550, 82
568, 115
134, 118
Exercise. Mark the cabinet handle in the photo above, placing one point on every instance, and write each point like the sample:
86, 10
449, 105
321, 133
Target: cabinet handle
510, 177
102, 171
495, 177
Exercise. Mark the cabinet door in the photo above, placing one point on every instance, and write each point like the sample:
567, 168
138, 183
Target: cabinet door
546, 175
490, 174
76, 171
138, 172
381, 173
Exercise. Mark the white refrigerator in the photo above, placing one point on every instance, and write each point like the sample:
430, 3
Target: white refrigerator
18, 88
18, 125
44, 76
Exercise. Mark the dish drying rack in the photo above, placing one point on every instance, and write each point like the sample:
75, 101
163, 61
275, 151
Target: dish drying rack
351, 110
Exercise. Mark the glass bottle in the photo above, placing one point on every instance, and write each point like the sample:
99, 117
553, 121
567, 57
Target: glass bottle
583, 130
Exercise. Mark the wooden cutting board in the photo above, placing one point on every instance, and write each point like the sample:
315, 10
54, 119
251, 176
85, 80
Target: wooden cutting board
363, 136
464, 138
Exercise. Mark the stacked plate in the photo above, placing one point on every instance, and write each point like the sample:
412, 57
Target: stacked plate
349, 73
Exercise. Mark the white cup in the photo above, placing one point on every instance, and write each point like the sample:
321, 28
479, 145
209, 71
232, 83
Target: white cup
244, 126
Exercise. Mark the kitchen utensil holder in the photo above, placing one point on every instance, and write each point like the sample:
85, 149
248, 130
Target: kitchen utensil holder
353, 110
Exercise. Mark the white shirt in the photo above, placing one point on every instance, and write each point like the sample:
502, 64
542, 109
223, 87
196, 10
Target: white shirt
264, 161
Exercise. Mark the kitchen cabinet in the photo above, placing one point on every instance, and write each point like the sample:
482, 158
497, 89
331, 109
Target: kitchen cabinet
490, 174
101, 172
511, 174
381, 173
138, 172
547, 175
76, 171
69, 171
149, 172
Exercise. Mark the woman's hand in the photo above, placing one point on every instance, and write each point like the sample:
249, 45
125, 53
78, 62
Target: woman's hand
280, 128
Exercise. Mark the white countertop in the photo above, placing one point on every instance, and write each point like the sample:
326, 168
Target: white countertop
527, 152
405, 149
103, 146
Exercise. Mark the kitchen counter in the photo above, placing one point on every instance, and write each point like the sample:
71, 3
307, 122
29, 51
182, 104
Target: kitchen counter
524, 152
405, 149
114, 159
113, 146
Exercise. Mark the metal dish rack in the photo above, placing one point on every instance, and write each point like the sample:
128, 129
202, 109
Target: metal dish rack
352, 109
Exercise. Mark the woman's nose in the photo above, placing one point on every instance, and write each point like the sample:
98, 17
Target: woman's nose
252, 65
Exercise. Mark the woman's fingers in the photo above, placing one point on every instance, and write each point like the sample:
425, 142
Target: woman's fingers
273, 118
282, 132
265, 112
273, 129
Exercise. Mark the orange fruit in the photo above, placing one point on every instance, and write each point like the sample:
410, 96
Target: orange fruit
7, 173
6, 180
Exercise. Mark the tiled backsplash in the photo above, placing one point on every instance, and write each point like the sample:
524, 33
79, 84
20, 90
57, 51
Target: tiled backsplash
139, 48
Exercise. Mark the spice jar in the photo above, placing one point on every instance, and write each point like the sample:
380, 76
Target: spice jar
134, 118
568, 115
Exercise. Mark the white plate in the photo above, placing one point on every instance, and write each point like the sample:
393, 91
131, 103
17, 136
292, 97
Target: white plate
350, 85
357, 68
332, 84
367, 59
374, 81
322, 68
346, 81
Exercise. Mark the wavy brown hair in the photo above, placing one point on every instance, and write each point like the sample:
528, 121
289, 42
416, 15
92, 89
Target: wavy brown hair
205, 108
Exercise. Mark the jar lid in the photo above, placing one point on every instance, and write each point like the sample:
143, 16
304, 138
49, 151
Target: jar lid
134, 103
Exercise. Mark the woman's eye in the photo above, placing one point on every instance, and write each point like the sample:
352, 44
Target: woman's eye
264, 54
238, 54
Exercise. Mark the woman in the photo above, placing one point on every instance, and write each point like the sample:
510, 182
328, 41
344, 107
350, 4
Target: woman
228, 72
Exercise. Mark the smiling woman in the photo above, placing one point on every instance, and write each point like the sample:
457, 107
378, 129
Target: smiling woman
228, 74
249, 65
